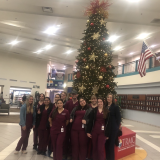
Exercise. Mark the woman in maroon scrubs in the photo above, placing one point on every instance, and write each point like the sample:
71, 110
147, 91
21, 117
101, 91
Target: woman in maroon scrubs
37, 105
59, 119
43, 129
98, 130
27, 122
79, 139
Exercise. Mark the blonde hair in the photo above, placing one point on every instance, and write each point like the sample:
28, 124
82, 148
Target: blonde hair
29, 107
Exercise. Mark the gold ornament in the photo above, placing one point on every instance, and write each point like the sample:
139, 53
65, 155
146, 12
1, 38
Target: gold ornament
102, 21
96, 35
93, 57
95, 89
105, 54
87, 20
100, 77
87, 67
81, 89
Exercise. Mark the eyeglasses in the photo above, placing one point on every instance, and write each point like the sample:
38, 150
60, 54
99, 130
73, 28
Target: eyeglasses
82, 101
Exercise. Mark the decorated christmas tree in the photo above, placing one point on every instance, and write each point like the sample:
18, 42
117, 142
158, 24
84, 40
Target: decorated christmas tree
94, 71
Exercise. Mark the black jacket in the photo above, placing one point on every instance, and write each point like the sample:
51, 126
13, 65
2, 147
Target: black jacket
115, 117
72, 116
39, 116
92, 119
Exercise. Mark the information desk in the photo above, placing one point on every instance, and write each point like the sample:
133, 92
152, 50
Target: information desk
127, 143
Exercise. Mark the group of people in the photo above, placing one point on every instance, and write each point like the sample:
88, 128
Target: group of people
71, 129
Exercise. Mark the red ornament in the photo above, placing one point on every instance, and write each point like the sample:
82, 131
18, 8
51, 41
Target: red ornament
89, 48
76, 61
110, 66
103, 69
115, 100
107, 86
78, 75
84, 59
92, 24
103, 39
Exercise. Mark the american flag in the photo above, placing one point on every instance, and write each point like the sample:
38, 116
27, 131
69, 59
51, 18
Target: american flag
145, 54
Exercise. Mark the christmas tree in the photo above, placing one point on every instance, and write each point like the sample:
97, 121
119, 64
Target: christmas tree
94, 71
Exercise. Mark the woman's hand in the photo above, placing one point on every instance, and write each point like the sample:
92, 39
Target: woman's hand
50, 124
84, 121
71, 120
24, 128
107, 138
39, 112
33, 126
89, 135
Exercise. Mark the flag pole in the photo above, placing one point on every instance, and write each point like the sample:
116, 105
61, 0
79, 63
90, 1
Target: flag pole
151, 50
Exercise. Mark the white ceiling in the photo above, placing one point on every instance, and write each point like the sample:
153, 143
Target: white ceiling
26, 21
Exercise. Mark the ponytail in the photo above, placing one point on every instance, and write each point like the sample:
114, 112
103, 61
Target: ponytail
55, 111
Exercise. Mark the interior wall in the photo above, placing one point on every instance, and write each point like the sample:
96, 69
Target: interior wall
141, 116
22, 72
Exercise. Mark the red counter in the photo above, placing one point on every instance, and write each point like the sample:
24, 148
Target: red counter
127, 143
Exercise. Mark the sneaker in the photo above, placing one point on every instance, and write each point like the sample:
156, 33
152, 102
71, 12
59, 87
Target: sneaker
39, 152
44, 153
24, 152
16, 152
35, 147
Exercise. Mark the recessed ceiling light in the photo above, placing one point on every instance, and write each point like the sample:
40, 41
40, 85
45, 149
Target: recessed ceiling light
14, 42
117, 48
64, 68
119, 63
51, 30
48, 47
152, 46
113, 38
39, 51
143, 36
70, 51
131, 53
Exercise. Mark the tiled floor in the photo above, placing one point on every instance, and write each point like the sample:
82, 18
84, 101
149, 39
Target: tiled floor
148, 137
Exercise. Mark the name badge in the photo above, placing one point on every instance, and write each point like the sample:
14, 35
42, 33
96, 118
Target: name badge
62, 129
63, 114
102, 128
82, 125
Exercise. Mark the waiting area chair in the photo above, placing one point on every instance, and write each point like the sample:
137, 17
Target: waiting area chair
4, 108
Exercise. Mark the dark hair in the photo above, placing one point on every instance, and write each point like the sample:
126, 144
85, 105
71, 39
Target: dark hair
79, 107
105, 111
64, 93
55, 111
58, 95
113, 100
41, 94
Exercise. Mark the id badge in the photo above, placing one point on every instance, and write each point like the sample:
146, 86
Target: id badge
82, 125
62, 129
102, 128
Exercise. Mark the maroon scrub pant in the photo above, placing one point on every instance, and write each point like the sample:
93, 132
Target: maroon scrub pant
57, 143
43, 139
23, 140
98, 143
79, 142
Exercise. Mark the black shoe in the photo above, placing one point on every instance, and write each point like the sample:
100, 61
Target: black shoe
44, 153
35, 147
49, 153
39, 152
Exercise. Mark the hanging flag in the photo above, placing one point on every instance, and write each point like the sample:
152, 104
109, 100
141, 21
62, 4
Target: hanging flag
146, 53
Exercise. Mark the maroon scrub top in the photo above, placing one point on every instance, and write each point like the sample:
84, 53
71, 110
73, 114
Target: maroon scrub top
59, 121
38, 106
100, 121
69, 106
44, 119
29, 120
77, 123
